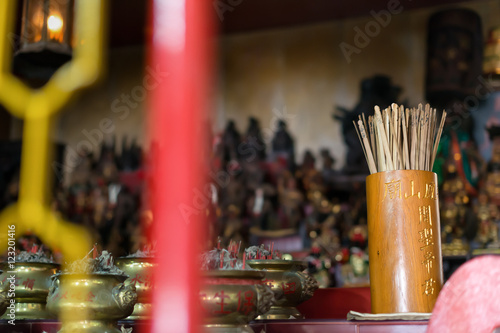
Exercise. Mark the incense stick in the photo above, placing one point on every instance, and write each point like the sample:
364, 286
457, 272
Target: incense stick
406, 156
372, 138
368, 152
384, 142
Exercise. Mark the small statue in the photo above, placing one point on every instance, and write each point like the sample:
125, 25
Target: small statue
327, 170
377, 90
309, 161
83, 169
291, 200
328, 174
457, 218
253, 147
107, 166
323, 222
260, 208
231, 139
232, 226
358, 236
283, 145
130, 157
487, 214
234, 193
306, 171
493, 169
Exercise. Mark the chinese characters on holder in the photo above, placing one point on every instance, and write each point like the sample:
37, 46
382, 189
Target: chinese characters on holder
393, 190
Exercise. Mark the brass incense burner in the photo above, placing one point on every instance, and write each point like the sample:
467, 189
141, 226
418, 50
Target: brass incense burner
140, 272
4, 300
91, 302
32, 283
290, 285
231, 298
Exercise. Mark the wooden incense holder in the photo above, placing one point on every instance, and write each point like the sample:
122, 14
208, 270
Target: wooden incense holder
404, 245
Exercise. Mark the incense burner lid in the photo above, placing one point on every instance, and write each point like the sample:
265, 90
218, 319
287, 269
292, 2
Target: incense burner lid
234, 274
277, 264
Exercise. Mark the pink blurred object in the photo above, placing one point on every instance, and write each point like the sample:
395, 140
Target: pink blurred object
470, 299
181, 57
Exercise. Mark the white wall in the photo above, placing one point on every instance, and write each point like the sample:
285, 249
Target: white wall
298, 69
304, 70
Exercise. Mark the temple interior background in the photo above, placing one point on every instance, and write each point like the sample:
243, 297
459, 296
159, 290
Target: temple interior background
303, 192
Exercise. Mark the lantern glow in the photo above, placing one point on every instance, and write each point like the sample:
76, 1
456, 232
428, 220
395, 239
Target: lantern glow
46, 38
46, 24
54, 23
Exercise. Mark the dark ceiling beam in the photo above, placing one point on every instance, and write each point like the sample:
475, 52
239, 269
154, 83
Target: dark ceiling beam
251, 15
128, 22
129, 19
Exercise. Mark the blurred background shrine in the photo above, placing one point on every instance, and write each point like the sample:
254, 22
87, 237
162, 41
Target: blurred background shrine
283, 162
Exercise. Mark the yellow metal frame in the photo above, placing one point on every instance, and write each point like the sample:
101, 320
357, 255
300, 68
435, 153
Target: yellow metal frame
38, 107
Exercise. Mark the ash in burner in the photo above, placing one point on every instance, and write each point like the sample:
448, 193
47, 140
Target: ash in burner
35, 255
102, 264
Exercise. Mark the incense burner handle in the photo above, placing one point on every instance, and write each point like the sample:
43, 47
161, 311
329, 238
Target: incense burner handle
53, 287
4, 300
125, 295
309, 285
265, 298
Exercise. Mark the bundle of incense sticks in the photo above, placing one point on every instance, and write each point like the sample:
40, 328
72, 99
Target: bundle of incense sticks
400, 139
261, 253
35, 254
221, 258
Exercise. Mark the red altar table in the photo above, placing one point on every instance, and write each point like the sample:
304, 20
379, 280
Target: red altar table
52, 326
335, 303
339, 326
327, 311
290, 326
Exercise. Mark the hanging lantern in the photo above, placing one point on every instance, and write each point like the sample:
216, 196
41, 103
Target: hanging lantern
46, 37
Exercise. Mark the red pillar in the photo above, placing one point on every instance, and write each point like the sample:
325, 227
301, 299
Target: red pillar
180, 47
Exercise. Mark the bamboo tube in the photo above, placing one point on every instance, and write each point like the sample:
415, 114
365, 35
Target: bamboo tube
405, 250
